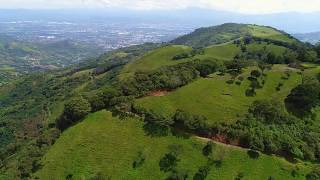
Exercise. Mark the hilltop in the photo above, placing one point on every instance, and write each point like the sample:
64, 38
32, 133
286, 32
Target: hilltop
222, 102
228, 32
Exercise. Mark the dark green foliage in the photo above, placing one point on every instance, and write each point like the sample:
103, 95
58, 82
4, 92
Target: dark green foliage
177, 175
207, 67
269, 111
181, 56
207, 150
96, 101
250, 92
202, 173
317, 49
269, 128
255, 73
74, 110
253, 154
235, 66
231, 81
139, 160
304, 97
168, 162
314, 174
153, 117
191, 122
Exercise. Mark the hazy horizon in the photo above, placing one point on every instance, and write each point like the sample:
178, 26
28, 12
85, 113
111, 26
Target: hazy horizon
291, 22
236, 6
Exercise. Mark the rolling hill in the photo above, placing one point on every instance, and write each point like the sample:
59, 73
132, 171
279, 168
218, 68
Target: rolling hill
18, 57
221, 103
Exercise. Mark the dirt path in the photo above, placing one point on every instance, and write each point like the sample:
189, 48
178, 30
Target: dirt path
220, 143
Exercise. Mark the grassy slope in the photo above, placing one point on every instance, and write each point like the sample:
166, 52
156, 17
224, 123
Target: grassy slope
227, 32
270, 33
217, 100
155, 59
163, 56
104, 144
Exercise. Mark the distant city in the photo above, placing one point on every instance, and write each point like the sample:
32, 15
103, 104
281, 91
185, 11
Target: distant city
107, 36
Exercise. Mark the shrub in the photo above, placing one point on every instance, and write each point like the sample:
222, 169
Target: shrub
168, 162
250, 92
202, 173
240, 78
177, 175
255, 73
253, 154
139, 160
207, 150
231, 81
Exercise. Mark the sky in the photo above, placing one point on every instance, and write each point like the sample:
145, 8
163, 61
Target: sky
241, 6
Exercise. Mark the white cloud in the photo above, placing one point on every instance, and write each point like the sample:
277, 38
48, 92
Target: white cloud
243, 6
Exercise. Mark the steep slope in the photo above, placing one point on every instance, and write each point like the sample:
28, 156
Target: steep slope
103, 146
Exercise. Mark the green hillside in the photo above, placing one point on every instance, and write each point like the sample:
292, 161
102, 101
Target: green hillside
228, 32
18, 58
104, 146
148, 111
219, 100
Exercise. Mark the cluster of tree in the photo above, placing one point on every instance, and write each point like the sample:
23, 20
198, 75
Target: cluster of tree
195, 123
193, 53
269, 128
254, 82
304, 97
184, 120
295, 51
170, 77
74, 110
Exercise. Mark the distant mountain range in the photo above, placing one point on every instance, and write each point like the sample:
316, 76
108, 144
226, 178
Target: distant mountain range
313, 37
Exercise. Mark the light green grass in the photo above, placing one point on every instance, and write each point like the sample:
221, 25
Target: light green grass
155, 59
224, 52
106, 145
219, 101
277, 50
269, 33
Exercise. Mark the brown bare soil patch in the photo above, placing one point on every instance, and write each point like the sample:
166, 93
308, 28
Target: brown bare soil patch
159, 93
